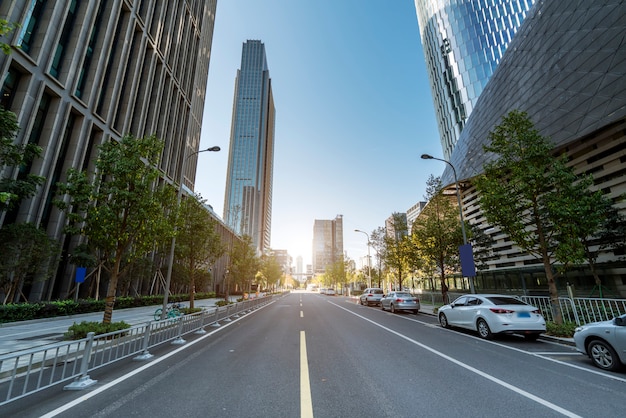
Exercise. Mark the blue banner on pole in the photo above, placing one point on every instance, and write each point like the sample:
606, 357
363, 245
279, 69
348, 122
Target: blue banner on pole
468, 268
80, 274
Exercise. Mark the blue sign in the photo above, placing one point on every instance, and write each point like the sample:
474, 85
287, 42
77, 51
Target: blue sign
468, 268
80, 274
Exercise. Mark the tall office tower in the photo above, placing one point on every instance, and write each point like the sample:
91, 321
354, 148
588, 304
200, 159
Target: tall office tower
248, 197
463, 42
82, 73
327, 243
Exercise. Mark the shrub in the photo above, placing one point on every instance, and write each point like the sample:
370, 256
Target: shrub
187, 311
222, 303
79, 331
566, 330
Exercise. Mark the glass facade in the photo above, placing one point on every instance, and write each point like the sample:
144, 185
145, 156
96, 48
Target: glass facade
247, 203
463, 42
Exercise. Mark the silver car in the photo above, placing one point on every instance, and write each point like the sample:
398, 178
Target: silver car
493, 314
371, 296
400, 301
604, 342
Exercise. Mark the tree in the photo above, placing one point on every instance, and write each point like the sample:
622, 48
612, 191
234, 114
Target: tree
377, 242
26, 252
198, 245
12, 190
527, 192
271, 271
121, 209
397, 248
5, 28
244, 263
436, 234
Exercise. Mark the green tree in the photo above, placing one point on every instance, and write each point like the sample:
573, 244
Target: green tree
5, 28
198, 245
244, 263
397, 250
271, 271
121, 210
436, 234
528, 192
27, 252
377, 242
12, 190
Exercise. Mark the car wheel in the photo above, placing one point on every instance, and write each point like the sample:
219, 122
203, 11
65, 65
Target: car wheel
415, 312
392, 309
382, 306
483, 329
603, 355
362, 302
531, 337
443, 321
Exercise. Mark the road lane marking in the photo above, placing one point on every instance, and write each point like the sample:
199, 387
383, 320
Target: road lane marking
152, 363
471, 369
301, 314
306, 403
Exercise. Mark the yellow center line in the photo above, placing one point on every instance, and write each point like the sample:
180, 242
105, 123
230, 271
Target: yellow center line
306, 404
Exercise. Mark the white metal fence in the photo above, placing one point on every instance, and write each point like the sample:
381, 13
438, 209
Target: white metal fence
25, 372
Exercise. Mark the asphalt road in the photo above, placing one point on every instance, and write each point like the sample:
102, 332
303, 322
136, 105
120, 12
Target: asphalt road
311, 355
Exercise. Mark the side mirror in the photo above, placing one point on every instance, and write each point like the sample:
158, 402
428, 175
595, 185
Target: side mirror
620, 322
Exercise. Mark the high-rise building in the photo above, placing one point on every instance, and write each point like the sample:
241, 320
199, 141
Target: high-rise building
327, 243
248, 197
82, 73
565, 69
463, 42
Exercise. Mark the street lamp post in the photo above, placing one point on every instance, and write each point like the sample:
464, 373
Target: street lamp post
179, 198
458, 198
369, 260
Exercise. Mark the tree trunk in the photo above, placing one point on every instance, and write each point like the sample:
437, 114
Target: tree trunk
111, 291
554, 294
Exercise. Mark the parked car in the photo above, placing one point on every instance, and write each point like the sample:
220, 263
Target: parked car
400, 301
323, 291
330, 292
371, 296
493, 314
604, 342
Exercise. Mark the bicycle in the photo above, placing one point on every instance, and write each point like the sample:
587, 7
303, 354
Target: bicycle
173, 311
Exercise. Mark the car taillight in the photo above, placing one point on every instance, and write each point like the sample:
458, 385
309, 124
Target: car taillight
369, 295
399, 300
537, 311
500, 310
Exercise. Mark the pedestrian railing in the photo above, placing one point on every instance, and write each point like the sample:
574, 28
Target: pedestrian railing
29, 371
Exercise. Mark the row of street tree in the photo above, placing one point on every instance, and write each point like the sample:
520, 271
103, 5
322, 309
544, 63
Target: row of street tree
531, 194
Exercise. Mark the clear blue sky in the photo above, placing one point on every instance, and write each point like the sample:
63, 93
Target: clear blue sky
353, 113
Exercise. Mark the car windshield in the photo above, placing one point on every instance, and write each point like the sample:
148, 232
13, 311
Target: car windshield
505, 300
377, 291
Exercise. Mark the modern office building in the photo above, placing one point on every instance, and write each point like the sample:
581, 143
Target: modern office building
82, 73
327, 243
248, 197
463, 42
566, 68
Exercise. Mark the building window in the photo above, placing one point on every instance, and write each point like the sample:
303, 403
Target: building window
64, 40
29, 33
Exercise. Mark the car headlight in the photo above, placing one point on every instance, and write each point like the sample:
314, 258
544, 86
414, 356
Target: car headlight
578, 329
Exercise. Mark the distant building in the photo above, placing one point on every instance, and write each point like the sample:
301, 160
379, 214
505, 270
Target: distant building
327, 243
284, 259
463, 42
248, 197
396, 226
413, 212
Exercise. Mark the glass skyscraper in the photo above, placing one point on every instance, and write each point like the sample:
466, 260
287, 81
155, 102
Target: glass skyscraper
463, 42
248, 197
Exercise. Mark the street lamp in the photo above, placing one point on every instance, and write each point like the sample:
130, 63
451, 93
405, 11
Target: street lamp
458, 197
369, 260
168, 278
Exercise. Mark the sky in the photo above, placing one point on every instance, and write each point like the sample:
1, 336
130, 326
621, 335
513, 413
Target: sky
354, 112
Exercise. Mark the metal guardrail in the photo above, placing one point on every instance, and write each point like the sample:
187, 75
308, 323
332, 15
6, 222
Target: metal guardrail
578, 310
29, 371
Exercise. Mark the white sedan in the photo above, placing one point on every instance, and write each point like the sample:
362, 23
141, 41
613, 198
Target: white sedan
493, 314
